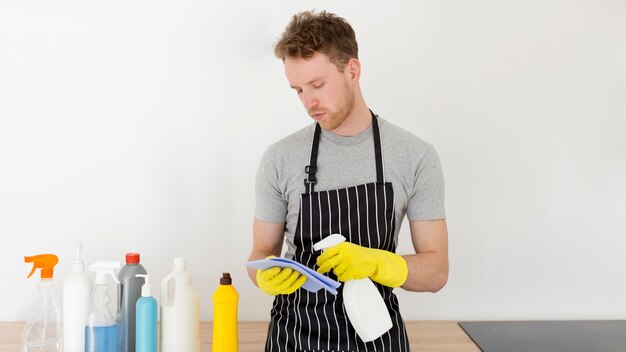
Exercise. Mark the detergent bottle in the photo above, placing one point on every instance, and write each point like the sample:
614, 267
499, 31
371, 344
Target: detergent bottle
146, 322
225, 300
180, 312
365, 307
101, 328
128, 292
43, 330
76, 299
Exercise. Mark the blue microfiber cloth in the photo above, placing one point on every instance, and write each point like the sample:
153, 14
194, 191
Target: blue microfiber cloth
314, 282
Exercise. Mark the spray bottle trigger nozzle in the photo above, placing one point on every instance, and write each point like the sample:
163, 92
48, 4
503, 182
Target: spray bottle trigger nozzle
104, 268
329, 241
32, 271
45, 262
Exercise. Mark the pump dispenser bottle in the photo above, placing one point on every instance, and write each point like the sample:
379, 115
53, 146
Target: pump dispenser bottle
146, 323
76, 299
128, 292
101, 329
225, 300
43, 330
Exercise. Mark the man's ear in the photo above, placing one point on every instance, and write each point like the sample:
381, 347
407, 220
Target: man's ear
354, 68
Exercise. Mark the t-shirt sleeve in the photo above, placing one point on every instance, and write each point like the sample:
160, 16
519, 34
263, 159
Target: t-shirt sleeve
271, 204
426, 201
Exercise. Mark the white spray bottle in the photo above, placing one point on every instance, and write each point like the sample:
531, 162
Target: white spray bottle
101, 328
76, 295
365, 307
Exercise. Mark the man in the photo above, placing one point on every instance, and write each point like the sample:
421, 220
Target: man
361, 175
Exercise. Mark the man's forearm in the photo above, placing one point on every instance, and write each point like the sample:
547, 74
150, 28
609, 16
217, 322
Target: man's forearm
428, 272
267, 239
257, 255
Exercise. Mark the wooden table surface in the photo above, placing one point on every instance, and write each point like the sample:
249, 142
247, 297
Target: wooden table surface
423, 336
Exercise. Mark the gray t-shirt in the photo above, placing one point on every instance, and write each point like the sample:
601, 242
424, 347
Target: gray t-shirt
410, 164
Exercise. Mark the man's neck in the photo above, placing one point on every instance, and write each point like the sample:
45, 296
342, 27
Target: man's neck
358, 121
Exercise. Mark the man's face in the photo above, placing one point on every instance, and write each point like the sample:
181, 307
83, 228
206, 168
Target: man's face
326, 93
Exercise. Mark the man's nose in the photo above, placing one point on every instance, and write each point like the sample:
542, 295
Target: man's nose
309, 101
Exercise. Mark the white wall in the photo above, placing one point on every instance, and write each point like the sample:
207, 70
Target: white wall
138, 126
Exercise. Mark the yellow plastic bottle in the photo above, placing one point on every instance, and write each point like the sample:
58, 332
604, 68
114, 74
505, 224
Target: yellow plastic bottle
225, 300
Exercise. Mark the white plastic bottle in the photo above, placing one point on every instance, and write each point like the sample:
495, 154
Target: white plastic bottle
364, 305
76, 295
180, 314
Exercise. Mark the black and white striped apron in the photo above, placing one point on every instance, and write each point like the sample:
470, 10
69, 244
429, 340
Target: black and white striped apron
364, 214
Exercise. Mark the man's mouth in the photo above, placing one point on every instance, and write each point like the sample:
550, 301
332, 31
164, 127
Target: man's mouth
317, 115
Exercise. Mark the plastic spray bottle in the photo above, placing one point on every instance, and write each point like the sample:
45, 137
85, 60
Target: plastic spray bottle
101, 329
128, 292
146, 327
43, 330
364, 305
76, 298
180, 314
225, 300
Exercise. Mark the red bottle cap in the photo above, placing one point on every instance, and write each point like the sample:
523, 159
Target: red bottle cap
132, 258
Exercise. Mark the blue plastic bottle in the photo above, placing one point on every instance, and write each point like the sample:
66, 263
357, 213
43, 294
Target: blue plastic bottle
146, 319
101, 329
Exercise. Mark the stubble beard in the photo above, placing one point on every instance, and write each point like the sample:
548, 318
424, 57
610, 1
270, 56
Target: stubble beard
336, 118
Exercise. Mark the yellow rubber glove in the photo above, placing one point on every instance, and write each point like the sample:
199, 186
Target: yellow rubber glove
276, 281
352, 262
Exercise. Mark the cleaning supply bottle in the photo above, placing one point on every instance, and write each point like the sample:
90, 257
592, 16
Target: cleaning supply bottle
76, 296
364, 305
180, 313
146, 327
43, 330
128, 292
225, 300
100, 328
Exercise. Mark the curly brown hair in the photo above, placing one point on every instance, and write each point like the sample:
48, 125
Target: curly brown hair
324, 32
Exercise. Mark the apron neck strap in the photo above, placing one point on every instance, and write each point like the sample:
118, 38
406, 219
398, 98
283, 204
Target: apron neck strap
311, 169
378, 150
